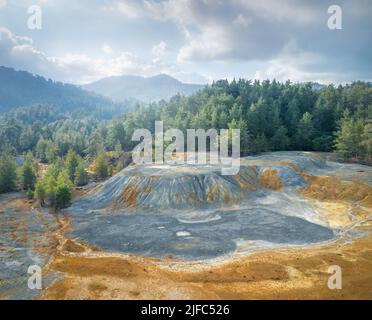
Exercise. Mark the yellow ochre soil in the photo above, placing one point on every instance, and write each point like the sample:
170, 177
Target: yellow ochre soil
270, 179
283, 274
292, 273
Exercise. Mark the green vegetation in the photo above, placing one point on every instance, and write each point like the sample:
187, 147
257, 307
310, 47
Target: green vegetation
272, 116
81, 176
101, 166
28, 176
8, 174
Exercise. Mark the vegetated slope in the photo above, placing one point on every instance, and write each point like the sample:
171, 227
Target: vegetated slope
21, 88
144, 89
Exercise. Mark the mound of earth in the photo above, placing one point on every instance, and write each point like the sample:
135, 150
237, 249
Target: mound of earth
195, 212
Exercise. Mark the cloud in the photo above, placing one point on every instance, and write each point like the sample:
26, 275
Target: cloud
226, 30
3, 3
160, 50
225, 39
20, 53
107, 49
79, 68
217, 31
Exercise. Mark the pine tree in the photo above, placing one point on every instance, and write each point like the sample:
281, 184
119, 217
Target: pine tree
101, 166
305, 133
8, 174
40, 150
245, 137
366, 143
50, 190
260, 143
71, 163
40, 192
30, 194
28, 176
349, 137
51, 152
63, 191
81, 176
118, 149
63, 196
280, 140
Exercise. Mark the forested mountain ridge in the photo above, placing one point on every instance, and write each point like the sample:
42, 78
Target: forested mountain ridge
270, 115
144, 89
21, 88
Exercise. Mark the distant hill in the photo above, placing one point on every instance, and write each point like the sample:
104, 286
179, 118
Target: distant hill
317, 85
140, 88
21, 88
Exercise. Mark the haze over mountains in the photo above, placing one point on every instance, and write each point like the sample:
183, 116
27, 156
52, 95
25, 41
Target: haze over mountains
21, 88
110, 96
148, 89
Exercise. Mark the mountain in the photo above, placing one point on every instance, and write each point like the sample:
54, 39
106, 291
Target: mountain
21, 88
317, 85
140, 88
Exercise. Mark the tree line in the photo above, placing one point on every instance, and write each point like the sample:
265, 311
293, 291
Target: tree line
271, 116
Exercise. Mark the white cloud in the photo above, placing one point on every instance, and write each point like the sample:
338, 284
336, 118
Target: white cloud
20, 53
220, 30
3, 3
160, 50
131, 11
225, 39
283, 72
107, 49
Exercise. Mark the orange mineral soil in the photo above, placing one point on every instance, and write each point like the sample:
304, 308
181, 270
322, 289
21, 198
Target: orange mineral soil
294, 273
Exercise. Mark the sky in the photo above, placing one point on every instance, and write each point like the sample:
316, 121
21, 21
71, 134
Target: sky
195, 41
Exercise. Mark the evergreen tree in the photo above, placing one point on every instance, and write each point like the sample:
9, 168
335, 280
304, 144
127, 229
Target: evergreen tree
71, 163
40, 192
280, 140
8, 174
349, 137
305, 133
81, 176
116, 134
30, 194
101, 166
245, 136
260, 143
366, 143
28, 176
63, 190
40, 150
63, 196
51, 152
50, 190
